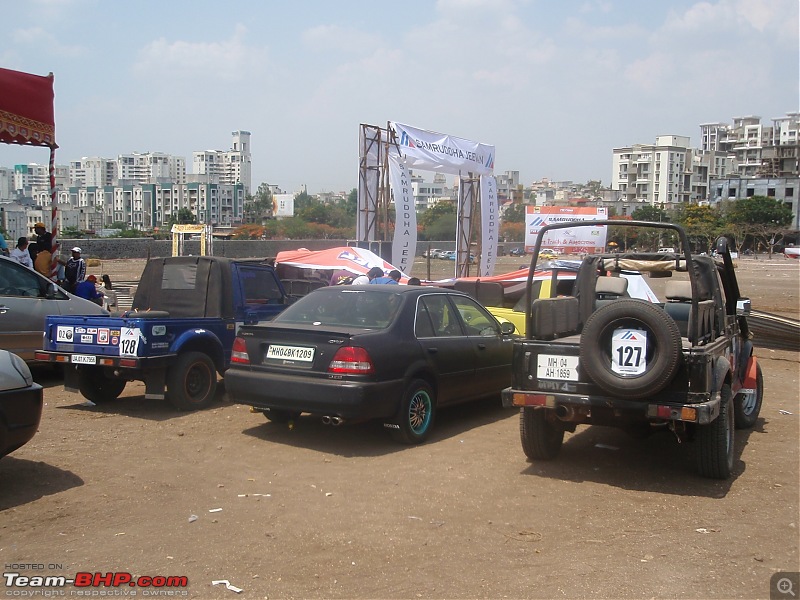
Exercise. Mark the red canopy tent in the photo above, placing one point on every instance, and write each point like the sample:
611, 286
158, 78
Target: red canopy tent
27, 118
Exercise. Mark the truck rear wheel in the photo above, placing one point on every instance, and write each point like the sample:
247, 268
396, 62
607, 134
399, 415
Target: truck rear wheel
541, 437
192, 381
715, 440
97, 387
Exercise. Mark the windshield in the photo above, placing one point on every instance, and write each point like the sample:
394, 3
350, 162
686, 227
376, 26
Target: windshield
354, 308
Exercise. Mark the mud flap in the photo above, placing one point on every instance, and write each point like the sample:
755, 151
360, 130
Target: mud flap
71, 377
155, 384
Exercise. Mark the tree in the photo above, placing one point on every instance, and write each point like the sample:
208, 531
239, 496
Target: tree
439, 222
701, 224
651, 237
514, 214
765, 219
258, 208
186, 217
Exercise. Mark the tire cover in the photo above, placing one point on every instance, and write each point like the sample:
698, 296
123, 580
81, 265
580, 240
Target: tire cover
663, 351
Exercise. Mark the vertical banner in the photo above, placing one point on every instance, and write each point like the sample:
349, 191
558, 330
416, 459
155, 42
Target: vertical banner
404, 244
490, 225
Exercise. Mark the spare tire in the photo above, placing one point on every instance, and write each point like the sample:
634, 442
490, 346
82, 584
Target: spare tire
640, 367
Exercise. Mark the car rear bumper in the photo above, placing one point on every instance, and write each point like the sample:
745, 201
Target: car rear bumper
699, 408
346, 399
20, 413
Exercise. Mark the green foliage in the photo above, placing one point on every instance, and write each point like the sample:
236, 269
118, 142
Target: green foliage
443, 228
758, 222
71, 233
514, 214
701, 223
648, 212
435, 213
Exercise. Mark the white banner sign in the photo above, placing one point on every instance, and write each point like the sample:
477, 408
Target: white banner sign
490, 225
433, 151
571, 240
404, 244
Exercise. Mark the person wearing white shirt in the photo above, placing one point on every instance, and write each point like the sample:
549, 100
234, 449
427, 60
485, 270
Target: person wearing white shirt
20, 253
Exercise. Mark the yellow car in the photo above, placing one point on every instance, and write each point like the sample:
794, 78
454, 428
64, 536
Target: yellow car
516, 315
548, 254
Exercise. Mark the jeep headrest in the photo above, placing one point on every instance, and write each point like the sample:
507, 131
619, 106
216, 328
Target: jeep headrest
611, 285
678, 290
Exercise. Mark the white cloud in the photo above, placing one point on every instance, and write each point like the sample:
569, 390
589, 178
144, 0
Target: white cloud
42, 39
228, 60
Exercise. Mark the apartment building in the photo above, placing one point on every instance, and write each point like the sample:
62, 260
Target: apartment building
227, 167
659, 173
760, 150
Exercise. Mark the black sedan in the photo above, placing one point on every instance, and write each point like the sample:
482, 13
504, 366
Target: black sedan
389, 352
20, 403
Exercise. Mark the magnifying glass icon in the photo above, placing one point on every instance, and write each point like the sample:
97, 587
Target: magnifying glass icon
785, 586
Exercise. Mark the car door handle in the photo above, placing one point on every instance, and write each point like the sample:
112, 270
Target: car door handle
3, 309
481, 346
433, 350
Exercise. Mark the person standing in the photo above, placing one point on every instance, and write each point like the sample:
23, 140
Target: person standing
44, 239
74, 270
3, 245
20, 253
42, 251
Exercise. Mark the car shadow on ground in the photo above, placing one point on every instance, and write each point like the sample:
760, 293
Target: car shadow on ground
23, 481
47, 376
657, 463
371, 438
137, 406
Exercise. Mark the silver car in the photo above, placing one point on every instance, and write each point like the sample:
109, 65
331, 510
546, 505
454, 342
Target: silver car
26, 298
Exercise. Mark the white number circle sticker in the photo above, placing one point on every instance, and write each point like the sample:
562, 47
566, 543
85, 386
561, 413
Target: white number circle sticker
628, 351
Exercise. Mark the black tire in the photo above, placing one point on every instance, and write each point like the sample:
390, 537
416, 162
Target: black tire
715, 441
192, 381
540, 435
97, 387
276, 415
663, 352
747, 406
417, 413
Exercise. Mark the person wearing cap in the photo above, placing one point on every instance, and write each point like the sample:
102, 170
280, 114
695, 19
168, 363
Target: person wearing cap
44, 239
74, 270
41, 250
88, 289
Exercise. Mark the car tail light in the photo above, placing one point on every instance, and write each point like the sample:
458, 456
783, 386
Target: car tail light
351, 360
239, 354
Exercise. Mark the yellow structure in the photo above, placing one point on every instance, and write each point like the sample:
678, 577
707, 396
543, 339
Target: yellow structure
206, 239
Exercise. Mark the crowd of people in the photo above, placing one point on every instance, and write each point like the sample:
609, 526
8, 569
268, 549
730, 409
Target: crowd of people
69, 273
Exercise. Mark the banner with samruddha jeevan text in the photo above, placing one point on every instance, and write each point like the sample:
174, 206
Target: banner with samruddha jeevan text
404, 243
431, 151
490, 225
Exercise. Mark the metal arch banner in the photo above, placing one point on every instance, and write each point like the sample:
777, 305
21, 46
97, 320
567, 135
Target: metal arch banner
426, 150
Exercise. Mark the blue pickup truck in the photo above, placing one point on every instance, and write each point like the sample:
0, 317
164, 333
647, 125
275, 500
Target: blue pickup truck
177, 336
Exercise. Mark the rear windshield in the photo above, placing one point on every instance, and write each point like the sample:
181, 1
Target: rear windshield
349, 308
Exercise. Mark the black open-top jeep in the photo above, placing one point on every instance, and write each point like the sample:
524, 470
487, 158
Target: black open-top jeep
599, 356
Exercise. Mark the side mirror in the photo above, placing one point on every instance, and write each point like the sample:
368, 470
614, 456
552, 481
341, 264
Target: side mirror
743, 306
507, 328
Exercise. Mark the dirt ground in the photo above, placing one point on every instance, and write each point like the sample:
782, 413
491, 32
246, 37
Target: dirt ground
344, 512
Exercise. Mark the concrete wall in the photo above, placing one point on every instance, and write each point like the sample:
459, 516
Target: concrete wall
116, 248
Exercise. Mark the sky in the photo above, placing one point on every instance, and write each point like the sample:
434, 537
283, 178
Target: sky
554, 85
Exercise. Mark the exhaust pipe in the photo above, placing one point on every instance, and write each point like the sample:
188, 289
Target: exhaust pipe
326, 420
336, 421
565, 413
